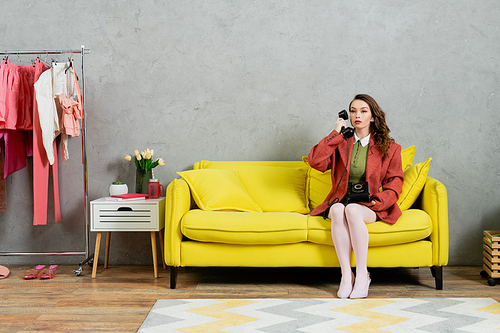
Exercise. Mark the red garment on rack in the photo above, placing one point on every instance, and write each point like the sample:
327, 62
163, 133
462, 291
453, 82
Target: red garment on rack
15, 145
3, 188
41, 166
16, 113
16, 96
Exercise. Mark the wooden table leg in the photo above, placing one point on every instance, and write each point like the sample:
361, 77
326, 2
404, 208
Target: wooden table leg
108, 239
155, 261
96, 254
160, 233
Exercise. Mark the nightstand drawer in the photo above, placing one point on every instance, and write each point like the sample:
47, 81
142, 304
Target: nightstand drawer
147, 215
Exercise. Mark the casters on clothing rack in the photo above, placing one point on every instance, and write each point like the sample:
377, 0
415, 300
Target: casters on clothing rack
89, 261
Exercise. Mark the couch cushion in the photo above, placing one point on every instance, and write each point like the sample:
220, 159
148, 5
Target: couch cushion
219, 190
244, 228
273, 188
413, 225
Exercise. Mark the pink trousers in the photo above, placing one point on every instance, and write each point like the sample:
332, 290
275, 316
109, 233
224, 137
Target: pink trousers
41, 166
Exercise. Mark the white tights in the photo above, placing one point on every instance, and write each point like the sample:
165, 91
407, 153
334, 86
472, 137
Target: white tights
349, 231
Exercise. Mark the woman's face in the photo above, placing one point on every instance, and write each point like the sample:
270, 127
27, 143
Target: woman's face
360, 115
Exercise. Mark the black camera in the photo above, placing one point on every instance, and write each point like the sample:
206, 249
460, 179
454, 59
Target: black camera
358, 192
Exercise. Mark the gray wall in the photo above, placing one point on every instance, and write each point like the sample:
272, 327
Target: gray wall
263, 80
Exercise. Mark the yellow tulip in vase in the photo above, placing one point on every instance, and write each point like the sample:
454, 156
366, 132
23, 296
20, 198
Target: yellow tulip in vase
144, 164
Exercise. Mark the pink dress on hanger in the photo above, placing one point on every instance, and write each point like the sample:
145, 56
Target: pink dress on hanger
72, 106
16, 96
72, 110
16, 113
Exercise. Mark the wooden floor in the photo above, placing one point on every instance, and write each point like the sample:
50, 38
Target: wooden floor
120, 298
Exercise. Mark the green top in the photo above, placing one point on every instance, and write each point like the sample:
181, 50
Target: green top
357, 172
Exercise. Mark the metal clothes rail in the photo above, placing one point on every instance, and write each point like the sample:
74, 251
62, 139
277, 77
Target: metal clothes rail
88, 259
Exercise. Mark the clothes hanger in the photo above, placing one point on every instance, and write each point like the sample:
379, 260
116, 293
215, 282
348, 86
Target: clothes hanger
70, 65
42, 61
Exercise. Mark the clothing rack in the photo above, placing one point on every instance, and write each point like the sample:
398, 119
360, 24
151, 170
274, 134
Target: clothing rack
88, 259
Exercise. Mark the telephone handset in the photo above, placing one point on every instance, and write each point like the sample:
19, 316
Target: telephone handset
349, 131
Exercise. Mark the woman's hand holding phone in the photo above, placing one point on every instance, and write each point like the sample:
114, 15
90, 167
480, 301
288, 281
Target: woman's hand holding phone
339, 124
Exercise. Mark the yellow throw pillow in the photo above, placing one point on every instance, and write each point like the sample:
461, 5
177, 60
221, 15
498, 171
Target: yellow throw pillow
274, 188
407, 156
319, 185
219, 190
415, 178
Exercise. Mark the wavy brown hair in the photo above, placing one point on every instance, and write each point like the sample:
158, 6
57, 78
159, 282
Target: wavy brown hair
378, 128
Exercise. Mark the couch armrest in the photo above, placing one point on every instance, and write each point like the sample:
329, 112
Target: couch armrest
178, 203
434, 200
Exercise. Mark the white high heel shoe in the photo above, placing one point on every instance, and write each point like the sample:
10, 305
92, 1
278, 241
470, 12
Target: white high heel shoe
346, 292
361, 292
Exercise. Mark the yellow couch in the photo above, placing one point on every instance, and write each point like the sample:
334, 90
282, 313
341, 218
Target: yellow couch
256, 214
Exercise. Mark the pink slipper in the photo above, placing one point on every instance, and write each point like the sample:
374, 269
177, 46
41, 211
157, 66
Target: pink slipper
4, 272
48, 273
33, 272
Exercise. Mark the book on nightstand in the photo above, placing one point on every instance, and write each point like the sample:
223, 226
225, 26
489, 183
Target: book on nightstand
127, 197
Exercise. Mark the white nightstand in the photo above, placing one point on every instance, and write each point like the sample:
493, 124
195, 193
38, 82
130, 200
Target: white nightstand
139, 215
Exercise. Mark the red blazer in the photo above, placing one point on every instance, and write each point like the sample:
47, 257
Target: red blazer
385, 172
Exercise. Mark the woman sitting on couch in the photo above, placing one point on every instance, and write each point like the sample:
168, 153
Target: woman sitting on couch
374, 159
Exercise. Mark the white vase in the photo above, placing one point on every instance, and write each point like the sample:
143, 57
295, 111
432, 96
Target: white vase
116, 189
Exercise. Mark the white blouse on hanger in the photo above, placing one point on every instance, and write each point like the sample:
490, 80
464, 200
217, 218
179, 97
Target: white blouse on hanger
52, 83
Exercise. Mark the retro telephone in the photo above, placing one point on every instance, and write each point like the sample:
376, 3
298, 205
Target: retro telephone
349, 131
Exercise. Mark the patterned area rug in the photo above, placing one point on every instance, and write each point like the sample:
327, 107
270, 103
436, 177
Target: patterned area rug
324, 315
